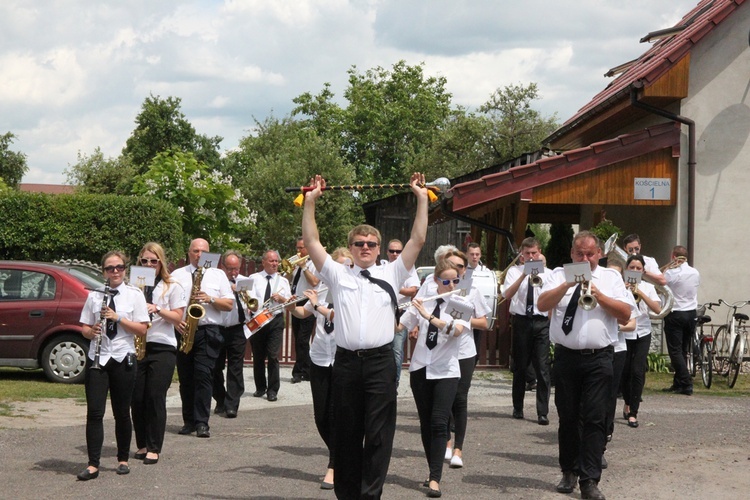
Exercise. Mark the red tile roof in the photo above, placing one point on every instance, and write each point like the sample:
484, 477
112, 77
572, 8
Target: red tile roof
46, 188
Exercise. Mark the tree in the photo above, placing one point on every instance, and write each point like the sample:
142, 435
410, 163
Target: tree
12, 163
515, 128
98, 175
211, 208
288, 153
161, 126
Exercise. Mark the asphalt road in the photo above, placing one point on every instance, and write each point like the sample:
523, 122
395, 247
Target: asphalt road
686, 447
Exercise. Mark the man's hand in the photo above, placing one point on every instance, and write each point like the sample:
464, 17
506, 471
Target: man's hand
417, 183
319, 183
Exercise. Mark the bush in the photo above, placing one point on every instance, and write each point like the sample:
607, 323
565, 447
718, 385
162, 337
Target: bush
658, 363
47, 227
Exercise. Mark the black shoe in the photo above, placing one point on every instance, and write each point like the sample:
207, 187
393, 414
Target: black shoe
186, 429
543, 420
220, 410
231, 413
531, 386
86, 474
568, 482
687, 391
296, 380
590, 490
201, 430
605, 464
259, 393
122, 469
150, 461
518, 414
272, 396
434, 493
139, 456
672, 388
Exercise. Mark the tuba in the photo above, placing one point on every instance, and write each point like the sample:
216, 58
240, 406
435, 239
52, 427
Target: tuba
195, 312
617, 254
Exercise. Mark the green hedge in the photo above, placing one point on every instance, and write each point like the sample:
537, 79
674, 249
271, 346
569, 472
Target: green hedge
84, 226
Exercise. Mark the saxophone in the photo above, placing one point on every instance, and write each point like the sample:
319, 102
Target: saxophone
140, 341
195, 312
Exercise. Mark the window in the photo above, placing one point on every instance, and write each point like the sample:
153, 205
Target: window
17, 284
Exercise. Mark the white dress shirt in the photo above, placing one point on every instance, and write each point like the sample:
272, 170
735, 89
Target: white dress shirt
411, 281
303, 284
592, 329
167, 297
130, 304
365, 318
323, 348
214, 283
232, 318
279, 286
518, 302
684, 281
642, 319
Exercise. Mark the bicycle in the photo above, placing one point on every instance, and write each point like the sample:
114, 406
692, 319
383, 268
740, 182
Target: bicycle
700, 349
729, 342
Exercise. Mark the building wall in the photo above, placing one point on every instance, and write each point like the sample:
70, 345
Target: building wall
719, 102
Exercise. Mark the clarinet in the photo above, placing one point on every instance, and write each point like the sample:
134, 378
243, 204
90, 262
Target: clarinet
102, 327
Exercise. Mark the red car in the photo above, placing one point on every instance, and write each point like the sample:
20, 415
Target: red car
40, 308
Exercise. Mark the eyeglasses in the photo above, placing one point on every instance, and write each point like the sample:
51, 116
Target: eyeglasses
119, 268
390, 250
455, 281
460, 266
370, 244
153, 262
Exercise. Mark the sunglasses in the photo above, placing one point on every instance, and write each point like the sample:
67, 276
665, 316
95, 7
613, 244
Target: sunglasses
394, 251
370, 244
153, 262
455, 281
119, 268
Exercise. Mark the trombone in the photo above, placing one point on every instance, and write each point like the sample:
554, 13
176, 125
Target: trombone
675, 263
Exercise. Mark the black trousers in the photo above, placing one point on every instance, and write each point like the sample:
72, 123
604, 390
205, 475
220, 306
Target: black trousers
266, 344
678, 330
531, 347
196, 372
634, 373
478, 343
434, 398
618, 365
149, 406
117, 379
460, 409
582, 387
364, 398
321, 378
232, 354
302, 330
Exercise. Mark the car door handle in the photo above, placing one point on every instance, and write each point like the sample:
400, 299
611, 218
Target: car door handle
36, 314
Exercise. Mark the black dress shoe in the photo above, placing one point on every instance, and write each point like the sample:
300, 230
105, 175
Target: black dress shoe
590, 490
568, 482
150, 461
434, 493
543, 420
259, 394
633, 423
122, 469
201, 430
605, 464
671, 388
186, 429
220, 410
231, 413
139, 456
272, 396
86, 475
518, 414
296, 380
687, 391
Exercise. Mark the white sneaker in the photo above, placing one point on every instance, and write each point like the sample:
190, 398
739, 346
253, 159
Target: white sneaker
456, 462
448, 453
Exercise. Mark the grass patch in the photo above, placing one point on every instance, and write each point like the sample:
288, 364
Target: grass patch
29, 385
655, 382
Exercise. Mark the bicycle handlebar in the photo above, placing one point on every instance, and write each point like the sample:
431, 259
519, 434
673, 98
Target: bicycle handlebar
736, 305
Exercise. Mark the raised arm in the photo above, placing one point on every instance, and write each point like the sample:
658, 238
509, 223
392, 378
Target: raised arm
419, 228
310, 234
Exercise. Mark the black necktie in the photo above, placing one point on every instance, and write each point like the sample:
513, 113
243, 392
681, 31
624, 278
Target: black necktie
240, 309
267, 295
529, 298
296, 280
328, 326
432, 331
385, 286
570, 312
111, 325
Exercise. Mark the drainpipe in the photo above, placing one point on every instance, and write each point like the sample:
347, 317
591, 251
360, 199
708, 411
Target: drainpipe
691, 156
488, 227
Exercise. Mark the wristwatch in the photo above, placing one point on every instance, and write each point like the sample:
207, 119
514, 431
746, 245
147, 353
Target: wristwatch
315, 307
158, 309
213, 299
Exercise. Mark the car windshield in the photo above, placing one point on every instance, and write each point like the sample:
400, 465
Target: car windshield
89, 277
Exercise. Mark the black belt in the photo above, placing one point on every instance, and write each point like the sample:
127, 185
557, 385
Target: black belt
584, 352
364, 353
536, 316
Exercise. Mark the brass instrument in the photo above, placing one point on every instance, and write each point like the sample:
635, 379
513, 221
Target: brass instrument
460, 291
102, 327
501, 277
140, 340
535, 279
286, 266
674, 264
251, 303
440, 185
195, 312
636, 295
617, 254
587, 301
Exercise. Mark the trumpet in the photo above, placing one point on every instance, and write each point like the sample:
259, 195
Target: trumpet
286, 266
587, 301
251, 303
441, 185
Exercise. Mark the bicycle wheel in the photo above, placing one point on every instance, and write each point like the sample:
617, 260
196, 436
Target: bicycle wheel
721, 350
707, 363
735, 362
691, 361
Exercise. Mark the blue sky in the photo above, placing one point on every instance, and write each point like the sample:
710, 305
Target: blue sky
75, 73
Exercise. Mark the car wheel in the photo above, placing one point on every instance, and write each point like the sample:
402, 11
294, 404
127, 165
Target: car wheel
64, 359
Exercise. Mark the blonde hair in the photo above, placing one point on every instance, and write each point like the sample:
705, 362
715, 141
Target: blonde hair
158, 250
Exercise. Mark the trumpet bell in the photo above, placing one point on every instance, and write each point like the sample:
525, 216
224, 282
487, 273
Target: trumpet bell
536, 281
587, 301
